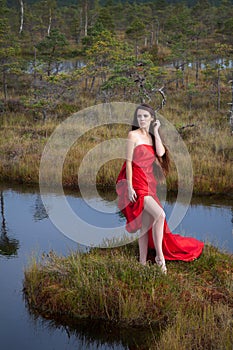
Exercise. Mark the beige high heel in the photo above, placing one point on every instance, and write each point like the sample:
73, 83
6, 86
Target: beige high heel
161, 264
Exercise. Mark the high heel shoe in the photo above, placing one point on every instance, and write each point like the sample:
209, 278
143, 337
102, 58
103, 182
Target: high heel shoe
161, 264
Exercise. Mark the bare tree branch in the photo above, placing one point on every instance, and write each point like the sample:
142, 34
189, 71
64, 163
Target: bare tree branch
164, 100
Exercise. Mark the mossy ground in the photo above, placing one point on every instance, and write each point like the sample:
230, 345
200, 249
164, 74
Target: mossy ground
192, 305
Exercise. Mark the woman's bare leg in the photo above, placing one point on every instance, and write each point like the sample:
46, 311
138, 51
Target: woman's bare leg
153, 208
143, 239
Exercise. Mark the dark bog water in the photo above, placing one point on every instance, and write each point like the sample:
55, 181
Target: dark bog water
26, 230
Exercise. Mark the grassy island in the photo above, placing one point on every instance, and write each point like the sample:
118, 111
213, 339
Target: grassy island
192, 306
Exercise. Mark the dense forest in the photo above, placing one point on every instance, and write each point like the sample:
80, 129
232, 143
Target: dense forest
58, 57
12, 3
120, 43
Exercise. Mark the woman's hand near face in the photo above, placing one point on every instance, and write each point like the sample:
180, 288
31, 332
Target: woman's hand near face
156, 125
160, 150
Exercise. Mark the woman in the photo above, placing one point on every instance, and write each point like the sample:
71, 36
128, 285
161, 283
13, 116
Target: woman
137, 199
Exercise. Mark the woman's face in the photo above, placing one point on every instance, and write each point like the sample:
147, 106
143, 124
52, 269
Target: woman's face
144, 118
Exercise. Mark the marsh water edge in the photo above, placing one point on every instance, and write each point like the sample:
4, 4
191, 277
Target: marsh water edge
27, 231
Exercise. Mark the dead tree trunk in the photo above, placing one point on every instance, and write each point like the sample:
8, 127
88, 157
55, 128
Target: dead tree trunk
79, 29
21, 16
157, 33
231, 108
50, 21
197, 61
86, 18
2, 209
218, 90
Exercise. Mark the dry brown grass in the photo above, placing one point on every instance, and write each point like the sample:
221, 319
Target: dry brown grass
205, 132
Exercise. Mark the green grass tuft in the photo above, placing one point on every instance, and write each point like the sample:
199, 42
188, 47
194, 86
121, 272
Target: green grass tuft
192, 305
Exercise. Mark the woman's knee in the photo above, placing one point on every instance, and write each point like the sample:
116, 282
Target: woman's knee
163, 215
159, 220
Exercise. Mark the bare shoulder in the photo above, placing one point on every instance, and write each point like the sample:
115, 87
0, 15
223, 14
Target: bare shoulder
133, 135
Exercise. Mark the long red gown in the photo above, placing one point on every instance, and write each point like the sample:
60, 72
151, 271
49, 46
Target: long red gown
175, 247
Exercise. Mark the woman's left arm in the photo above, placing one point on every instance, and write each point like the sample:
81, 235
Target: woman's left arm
159, 147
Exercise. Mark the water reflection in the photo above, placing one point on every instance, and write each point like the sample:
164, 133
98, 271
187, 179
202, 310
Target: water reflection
40, 212
93, 334
26, 230
8, 246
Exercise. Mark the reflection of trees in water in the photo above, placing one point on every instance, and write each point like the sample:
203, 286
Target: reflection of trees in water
39, 209
92, 334
8, 246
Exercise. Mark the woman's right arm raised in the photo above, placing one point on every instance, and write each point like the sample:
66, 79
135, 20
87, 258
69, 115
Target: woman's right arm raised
129, 171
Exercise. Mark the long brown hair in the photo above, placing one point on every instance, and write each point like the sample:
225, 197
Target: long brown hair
164, 161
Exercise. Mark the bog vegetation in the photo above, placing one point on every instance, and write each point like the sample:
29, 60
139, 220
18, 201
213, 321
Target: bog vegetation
58, 57
192, 305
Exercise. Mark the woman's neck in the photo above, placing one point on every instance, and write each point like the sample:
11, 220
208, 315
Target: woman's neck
144, 131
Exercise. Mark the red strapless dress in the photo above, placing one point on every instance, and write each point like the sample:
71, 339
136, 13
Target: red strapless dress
175, 247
